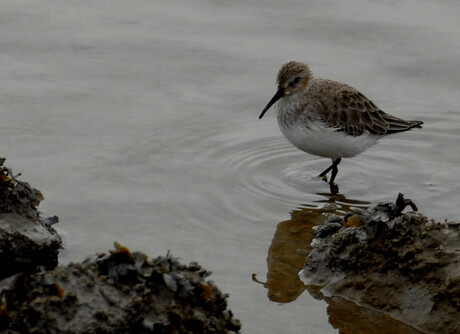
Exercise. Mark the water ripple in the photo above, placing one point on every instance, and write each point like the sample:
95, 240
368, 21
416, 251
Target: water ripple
271, 169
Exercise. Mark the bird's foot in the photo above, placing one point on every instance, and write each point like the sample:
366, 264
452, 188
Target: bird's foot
334, 188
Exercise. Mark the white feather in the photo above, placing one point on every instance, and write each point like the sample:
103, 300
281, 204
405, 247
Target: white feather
325, 141
314, 136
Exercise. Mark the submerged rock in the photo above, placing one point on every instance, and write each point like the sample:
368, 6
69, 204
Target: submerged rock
26, 240
120, 292
405, 265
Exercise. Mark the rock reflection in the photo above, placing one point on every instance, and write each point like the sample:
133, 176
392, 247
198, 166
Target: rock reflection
350, 318
291, 245
287, 255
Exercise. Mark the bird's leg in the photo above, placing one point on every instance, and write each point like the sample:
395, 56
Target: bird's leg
327, 170
335, 163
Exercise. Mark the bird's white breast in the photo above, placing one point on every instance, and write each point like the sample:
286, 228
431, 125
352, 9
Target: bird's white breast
311, 135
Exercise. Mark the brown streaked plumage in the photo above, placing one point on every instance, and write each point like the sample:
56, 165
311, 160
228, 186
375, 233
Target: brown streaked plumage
329, 118
346, 109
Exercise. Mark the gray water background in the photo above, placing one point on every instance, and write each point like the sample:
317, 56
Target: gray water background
138, 122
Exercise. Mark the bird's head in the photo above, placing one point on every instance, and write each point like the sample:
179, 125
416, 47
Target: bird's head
293, 77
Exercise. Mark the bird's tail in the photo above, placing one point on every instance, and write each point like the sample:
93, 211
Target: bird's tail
398, 125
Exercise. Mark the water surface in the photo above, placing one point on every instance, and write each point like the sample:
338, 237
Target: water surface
139, 122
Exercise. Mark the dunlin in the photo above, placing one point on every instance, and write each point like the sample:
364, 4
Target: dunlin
328, 118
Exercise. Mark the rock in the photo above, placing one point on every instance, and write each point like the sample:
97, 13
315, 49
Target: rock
404, 265
120, 292
26, 240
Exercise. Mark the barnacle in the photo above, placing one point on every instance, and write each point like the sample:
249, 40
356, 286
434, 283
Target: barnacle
17, 196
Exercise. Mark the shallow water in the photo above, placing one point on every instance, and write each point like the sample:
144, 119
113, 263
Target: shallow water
138, 121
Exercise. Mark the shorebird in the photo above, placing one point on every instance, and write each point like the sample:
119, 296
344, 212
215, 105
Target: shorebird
329, 118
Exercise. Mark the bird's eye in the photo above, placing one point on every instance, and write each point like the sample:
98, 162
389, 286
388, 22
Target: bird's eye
294, 82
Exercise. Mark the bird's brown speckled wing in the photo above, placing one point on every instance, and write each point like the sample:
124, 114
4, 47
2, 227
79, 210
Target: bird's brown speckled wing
350, 111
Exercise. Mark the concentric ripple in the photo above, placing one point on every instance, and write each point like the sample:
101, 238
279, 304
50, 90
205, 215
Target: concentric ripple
271, 169
244, 172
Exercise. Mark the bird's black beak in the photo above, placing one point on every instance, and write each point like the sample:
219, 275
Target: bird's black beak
279, 94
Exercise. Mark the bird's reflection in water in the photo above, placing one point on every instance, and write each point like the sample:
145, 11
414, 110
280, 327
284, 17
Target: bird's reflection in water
287, 255
291, 245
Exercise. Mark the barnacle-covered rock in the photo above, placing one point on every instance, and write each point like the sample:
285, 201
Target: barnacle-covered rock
26, 240
17, 196
119, 292
402, 264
